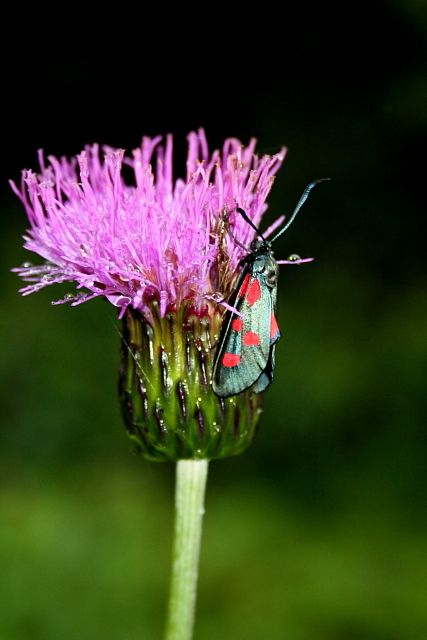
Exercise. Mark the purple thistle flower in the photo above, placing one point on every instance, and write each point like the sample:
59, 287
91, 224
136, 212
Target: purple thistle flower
159, 238
166, 252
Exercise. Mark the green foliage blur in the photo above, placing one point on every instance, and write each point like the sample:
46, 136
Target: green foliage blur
319, 531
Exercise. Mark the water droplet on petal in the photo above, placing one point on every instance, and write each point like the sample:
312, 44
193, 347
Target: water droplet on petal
294, 257
26, 265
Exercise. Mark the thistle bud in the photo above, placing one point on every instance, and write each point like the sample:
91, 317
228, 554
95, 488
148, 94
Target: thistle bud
169, 408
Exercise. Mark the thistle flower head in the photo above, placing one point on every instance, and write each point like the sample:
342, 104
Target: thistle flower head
157, 238
164, 251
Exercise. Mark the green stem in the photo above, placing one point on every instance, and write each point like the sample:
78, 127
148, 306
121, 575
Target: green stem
189, 499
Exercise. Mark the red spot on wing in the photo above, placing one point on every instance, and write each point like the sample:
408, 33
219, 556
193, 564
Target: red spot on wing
250, 339
230, 360
244, 286
274, 327
236, 324
253, 293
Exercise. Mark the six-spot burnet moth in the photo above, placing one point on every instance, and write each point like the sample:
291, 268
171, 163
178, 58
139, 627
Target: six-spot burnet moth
246, 346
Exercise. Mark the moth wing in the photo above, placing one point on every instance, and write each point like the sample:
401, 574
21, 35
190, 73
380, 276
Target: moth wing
244, 352
266, 378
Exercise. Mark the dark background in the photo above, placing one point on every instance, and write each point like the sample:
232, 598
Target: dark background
319, 530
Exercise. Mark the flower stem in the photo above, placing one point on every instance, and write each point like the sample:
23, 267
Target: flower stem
189, 499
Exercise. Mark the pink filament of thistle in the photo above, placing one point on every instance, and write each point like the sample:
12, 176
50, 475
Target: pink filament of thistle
154, 238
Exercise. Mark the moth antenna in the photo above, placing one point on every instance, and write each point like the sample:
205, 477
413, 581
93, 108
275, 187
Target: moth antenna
250, 223
301, 201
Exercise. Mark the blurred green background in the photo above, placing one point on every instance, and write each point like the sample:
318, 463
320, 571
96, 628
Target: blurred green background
319, 531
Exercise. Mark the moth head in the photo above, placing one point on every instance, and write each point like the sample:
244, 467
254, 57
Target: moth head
260, 246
